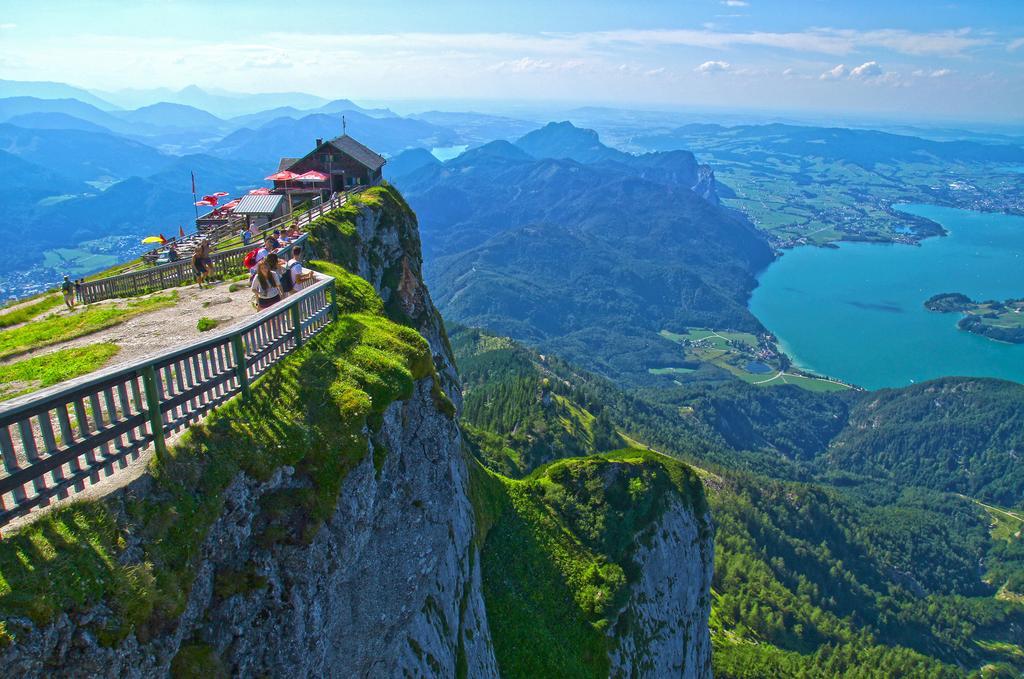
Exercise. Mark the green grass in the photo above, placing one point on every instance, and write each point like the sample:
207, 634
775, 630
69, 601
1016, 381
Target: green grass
43, 371
670, 371
556, 553
56, 329
309, 412
30, 311
204, 324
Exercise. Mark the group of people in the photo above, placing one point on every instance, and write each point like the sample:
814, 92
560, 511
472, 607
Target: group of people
271, 277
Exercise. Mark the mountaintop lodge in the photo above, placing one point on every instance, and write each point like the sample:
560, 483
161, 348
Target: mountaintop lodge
344, 160
333, 165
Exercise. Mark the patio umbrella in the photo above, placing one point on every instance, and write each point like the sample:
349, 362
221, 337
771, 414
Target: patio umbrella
282, 176
262, 191
232, 205
204, 202
312, 176
152, 239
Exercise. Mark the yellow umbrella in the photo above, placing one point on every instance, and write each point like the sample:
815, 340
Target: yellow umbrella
152, 239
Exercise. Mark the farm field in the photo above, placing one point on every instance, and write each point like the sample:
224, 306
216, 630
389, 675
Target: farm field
745, 356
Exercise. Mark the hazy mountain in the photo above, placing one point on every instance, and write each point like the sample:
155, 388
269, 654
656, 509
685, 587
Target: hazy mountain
51, 90
337, 106
288, 137
478, 128
860, 147
167, 115
82, 156
221, 103
564, 140
408, 162
15, 106
25, 184
55, 121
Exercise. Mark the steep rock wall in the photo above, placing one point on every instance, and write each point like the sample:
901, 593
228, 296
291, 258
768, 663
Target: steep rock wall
388, 586
663, 629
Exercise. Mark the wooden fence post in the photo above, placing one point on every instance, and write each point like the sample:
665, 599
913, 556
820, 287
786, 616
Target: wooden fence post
156, 421
240, 367
334, 301
297, 325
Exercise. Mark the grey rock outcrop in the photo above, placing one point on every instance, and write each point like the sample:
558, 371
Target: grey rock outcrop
663, 629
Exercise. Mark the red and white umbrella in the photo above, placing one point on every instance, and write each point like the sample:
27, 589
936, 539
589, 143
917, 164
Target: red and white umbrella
232, 205
262, 191
282, 176
205, 202
311, 176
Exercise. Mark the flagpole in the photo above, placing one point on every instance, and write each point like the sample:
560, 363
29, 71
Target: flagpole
194, 199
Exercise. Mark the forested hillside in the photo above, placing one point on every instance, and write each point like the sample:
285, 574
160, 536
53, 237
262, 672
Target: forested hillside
587, 260
839, 576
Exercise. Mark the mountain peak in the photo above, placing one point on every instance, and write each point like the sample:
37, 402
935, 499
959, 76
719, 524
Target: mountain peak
565, 140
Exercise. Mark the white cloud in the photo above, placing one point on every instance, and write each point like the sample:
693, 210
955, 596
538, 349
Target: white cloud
940, 73
735, 3
8, 27
834, 73
1015, 45
869, 69
713, 67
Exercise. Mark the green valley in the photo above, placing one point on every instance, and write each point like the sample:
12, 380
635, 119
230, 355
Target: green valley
818, 571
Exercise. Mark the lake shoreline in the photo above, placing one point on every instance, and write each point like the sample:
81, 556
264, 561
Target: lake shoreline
870, 328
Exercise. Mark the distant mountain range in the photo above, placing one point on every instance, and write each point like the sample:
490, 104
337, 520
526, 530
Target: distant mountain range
866, 148
588, 259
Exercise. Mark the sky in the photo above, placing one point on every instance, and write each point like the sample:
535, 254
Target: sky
910, 58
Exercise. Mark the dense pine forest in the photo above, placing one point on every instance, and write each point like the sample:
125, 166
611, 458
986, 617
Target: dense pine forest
820, 568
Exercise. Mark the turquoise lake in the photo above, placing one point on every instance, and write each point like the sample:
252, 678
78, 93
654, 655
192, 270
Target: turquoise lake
857, 312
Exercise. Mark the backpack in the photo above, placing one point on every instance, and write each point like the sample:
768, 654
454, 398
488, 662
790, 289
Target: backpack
287, 282
250, 259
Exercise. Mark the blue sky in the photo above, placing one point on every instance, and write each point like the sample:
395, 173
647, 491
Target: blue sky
916, 59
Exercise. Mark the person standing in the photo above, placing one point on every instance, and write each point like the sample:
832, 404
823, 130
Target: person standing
266, 284
68, 288
201, 262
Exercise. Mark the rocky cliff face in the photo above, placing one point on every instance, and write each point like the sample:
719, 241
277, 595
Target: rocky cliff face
663, 630
390, 584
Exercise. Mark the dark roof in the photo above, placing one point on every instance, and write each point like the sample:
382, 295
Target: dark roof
259, 205
286, 163
350, 146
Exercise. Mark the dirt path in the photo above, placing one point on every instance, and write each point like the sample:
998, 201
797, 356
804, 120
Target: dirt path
163, 329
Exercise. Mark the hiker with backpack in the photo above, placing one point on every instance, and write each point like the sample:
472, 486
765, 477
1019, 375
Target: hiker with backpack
68, 288
292, 271
266, 283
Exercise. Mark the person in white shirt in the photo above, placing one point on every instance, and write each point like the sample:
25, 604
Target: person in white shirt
267, 283
292, 271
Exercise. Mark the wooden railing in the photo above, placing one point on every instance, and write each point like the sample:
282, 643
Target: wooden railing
57, 442
181, 272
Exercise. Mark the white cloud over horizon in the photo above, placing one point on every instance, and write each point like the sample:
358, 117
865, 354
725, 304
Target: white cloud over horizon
790, 67
713, 67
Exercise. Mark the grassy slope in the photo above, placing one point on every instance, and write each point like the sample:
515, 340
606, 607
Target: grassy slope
34, 373
55, 329
29, 311
308, 412
556, 553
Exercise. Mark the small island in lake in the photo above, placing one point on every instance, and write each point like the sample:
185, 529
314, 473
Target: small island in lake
1001, 321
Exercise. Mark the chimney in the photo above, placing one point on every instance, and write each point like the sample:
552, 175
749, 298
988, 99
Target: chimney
319, 141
